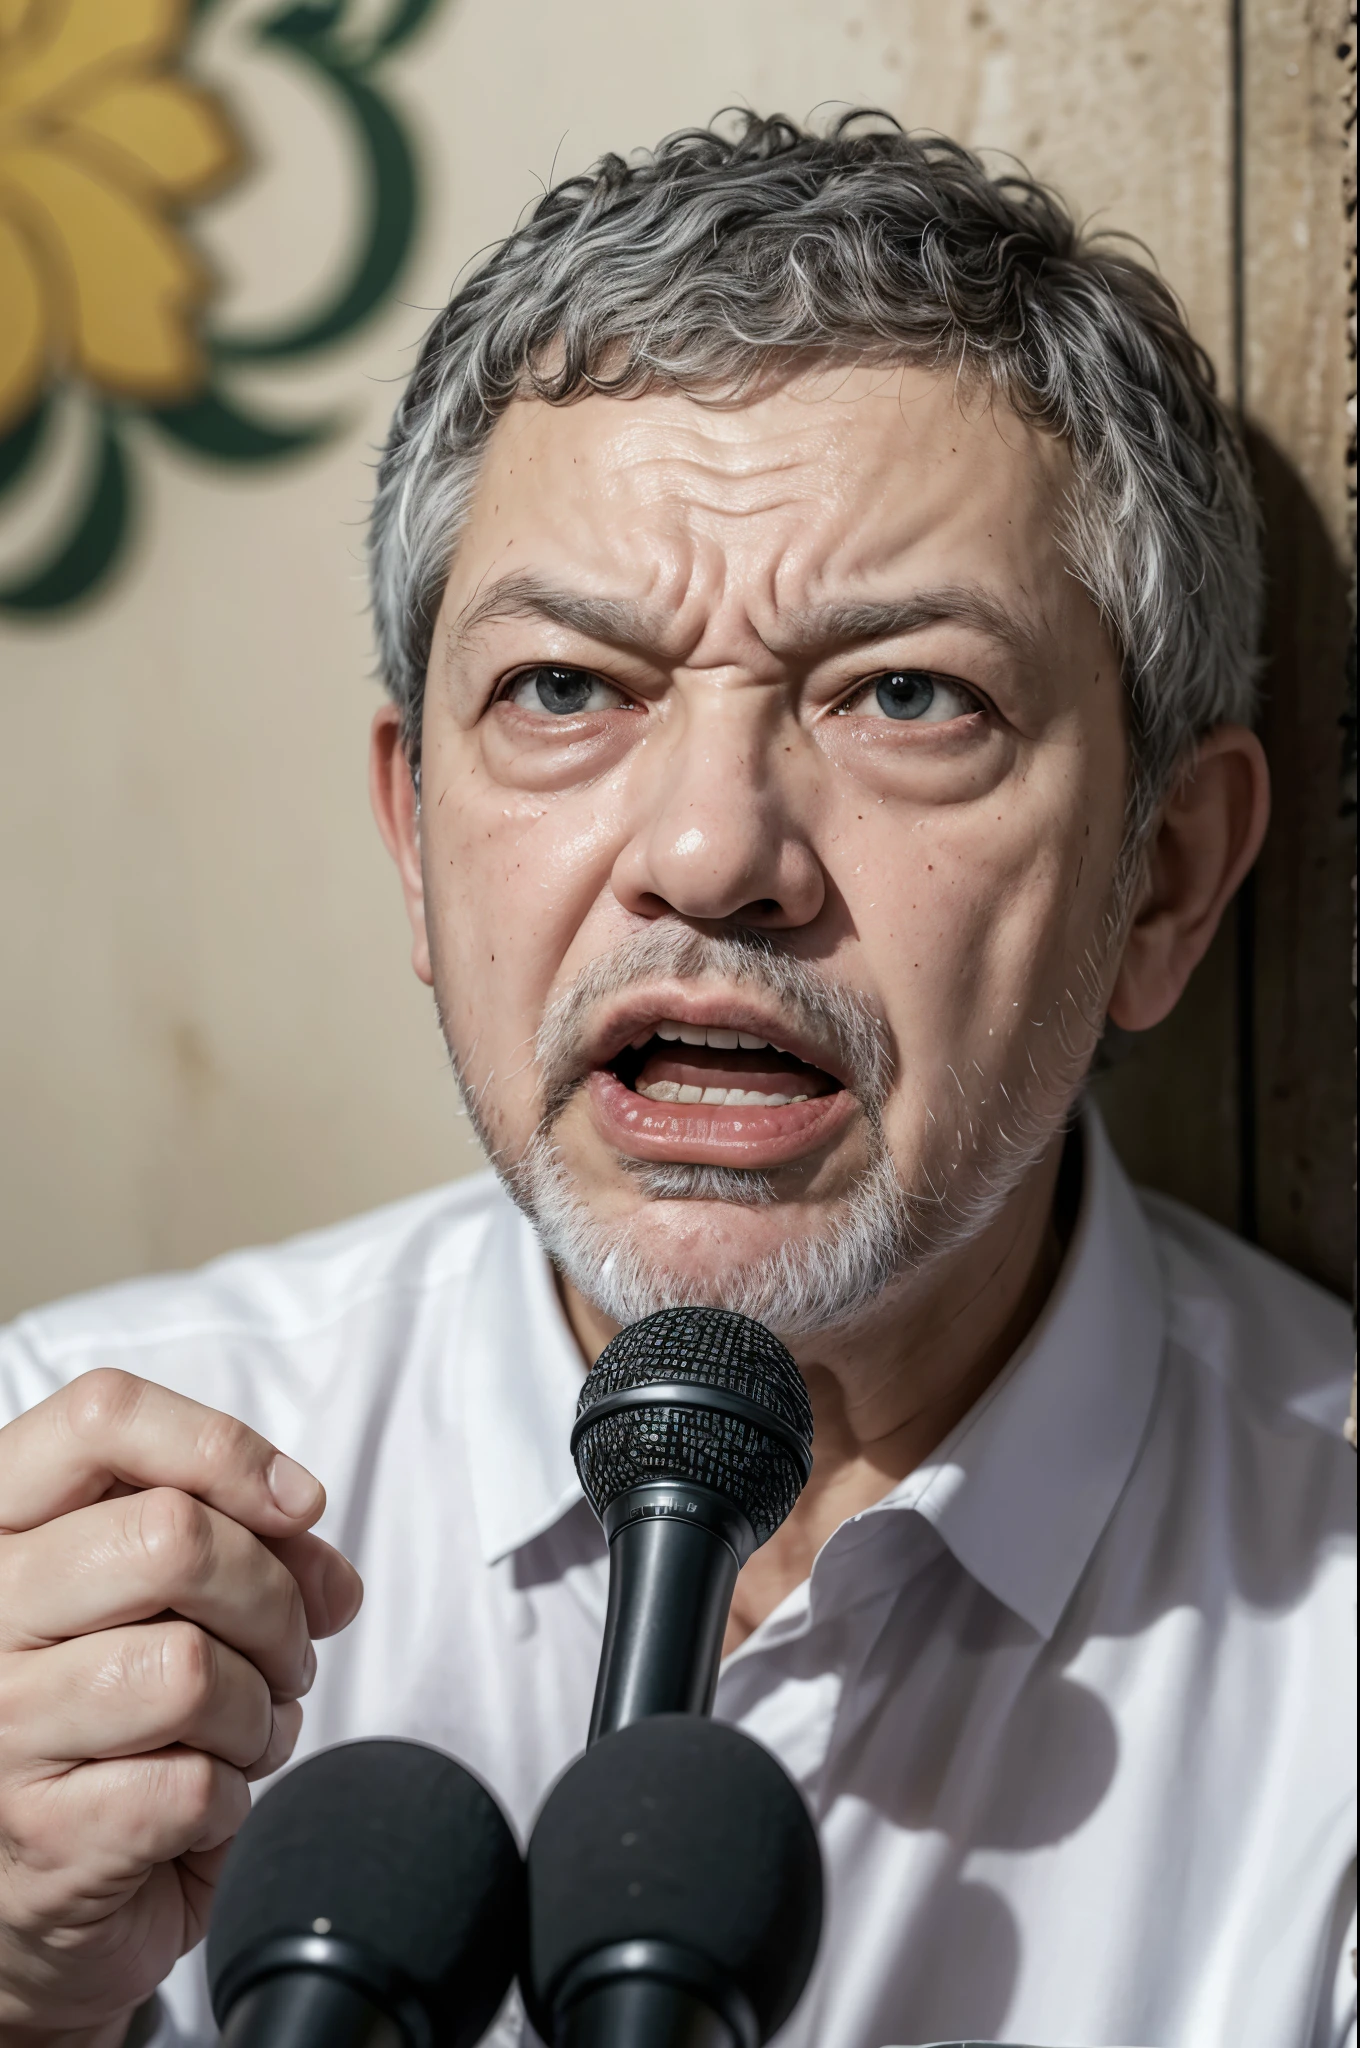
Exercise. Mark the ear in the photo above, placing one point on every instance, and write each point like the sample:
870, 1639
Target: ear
392, 793
1207, 835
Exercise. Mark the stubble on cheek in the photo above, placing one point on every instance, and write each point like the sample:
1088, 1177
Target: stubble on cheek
493, 1073
1000, 1029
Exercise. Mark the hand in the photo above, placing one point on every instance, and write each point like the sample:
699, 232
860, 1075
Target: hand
158, 1597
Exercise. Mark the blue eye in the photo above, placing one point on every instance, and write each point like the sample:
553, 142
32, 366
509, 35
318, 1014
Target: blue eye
563, 692
905, 696
912, 694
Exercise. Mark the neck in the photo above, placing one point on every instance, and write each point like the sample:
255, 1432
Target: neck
887, 1390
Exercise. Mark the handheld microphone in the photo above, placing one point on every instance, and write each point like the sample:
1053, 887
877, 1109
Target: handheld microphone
693, 1440
675, 1893
374, 1898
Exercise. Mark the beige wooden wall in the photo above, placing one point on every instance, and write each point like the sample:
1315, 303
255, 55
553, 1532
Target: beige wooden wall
208, 1030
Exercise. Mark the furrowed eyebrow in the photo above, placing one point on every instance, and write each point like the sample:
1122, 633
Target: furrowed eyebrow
863, 622
618, 621
623, 622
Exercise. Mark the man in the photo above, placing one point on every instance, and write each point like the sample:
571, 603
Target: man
816, 590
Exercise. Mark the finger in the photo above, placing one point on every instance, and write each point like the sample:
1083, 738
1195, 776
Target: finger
282, 1741
332, 1591
109, 1427
125, 1560
130, 1690
199, 1872
94, 1832
139, 1553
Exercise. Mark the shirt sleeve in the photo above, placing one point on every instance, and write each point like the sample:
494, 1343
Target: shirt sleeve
26, 1377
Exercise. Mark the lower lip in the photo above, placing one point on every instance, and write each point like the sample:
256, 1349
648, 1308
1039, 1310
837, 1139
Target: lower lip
695, 1134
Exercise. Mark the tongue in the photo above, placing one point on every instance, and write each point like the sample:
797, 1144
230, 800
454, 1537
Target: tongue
762, 1073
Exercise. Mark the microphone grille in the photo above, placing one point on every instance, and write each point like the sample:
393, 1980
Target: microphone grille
683, 1829
761, 1469
406, 1856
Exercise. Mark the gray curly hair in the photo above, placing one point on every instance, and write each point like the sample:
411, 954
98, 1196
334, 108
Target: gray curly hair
733, 254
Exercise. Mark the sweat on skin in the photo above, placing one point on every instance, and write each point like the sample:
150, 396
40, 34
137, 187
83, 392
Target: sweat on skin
654, 698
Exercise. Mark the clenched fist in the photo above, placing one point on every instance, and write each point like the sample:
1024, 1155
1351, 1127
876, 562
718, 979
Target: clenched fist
158, 1600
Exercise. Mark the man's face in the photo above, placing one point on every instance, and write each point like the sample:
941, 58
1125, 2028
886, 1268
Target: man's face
774, 756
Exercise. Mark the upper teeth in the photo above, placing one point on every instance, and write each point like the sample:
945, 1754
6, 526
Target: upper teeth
684, 1091
716, 1035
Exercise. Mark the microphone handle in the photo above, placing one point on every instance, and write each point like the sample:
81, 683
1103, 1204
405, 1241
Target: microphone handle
674, 1552
640, 2012
309, 2009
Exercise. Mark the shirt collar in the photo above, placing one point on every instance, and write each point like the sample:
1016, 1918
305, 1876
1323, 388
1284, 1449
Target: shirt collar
1019, 1492
521, 1376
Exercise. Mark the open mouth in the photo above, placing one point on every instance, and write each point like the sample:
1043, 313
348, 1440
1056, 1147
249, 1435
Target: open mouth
712, 1066
721, 1093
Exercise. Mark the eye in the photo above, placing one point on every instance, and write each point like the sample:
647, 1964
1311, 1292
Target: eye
563, 692
912, 694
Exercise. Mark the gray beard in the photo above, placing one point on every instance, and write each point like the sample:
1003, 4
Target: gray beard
809, 1284
878, 1233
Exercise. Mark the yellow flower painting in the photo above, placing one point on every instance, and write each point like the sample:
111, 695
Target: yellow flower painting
102, 143
108, 141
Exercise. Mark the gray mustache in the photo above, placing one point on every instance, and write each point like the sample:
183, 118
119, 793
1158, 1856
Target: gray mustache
828, 1012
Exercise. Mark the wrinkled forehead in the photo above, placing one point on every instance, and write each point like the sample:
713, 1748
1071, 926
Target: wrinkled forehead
839, 479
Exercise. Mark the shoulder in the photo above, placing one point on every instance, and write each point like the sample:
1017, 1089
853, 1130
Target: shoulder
1275, 1343
297, 1305
1258, 1478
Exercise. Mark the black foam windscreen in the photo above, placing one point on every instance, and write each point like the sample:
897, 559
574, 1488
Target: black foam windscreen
682, 1830
391, 1847
760, 1466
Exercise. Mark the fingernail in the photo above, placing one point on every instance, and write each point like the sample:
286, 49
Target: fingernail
283, 1735
292, 1486
308, 1668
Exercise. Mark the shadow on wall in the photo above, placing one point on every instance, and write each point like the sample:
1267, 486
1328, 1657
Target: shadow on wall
1240, 1103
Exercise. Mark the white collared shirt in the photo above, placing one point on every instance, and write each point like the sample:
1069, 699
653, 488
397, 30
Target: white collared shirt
1073, 1706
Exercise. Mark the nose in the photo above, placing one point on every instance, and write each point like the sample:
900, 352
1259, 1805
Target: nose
720, 839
